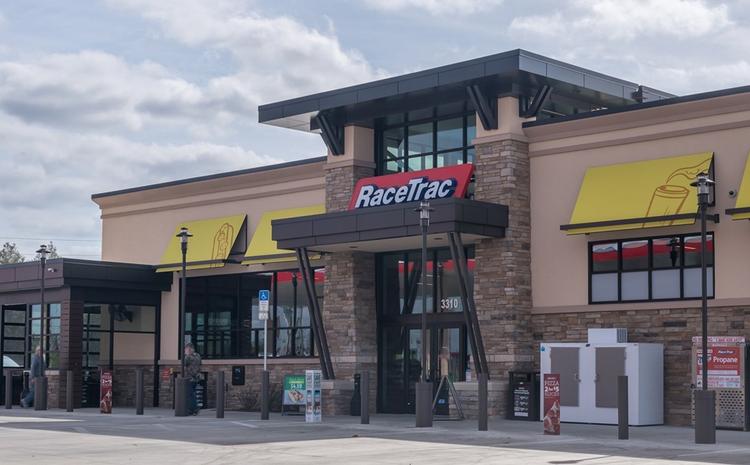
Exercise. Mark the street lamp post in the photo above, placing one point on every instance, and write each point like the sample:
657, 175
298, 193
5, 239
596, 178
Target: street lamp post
424, 387
40, 386
705, 400
184, 234
182, 389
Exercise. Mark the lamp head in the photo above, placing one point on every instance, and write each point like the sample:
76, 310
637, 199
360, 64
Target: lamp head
43, 252
703, 183
184, 234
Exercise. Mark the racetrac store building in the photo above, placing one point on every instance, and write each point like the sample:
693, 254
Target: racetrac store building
560, 198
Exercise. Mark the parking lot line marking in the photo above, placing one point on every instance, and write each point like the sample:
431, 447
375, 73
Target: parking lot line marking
718, 451
244, 424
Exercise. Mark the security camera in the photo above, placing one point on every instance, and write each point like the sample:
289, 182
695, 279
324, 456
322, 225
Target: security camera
732, 193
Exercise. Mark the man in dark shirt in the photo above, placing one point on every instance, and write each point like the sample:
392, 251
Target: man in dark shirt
193, 373
36, 372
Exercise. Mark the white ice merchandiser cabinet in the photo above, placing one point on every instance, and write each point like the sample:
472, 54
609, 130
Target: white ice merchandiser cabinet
588, 378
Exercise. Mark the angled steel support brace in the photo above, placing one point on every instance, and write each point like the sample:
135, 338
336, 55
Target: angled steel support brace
542, 94
332, 135
321, 342
470, 313
486, 108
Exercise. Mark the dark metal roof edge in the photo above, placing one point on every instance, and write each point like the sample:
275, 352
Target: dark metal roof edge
210, 177
642, 106
79, 261
587, 71
385, 81
516, 53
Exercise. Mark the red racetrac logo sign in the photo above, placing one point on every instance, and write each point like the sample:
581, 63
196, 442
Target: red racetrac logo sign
412, 186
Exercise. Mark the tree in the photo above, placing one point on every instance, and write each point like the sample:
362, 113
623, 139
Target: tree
52, 252
10, 254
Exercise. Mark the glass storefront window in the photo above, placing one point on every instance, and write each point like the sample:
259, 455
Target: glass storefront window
223, 316
51, 324
400, 271
420, 138
421, 145
660, 268
450, 134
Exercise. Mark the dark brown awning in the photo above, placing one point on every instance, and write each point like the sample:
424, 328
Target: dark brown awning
393, 227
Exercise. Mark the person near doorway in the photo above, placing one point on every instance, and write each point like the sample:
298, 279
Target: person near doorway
193, 373
36, 372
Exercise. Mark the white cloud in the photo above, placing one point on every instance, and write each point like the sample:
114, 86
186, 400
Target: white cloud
277, 57
49, 175
629, 19
435, 7
97, 90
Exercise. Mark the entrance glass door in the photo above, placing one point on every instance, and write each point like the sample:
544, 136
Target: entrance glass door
399, 318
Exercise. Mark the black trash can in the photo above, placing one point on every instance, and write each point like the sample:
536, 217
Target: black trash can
523, 395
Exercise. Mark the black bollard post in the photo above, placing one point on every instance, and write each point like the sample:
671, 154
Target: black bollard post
264, 396
705, 417
180, 397
220, 388
482, 379
8, 389
623, 421
69, 391
40, 393
364, 408
139, 394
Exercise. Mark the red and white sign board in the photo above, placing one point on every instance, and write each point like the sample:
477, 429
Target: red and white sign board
412, 186
724, 367
105, 392
551, 417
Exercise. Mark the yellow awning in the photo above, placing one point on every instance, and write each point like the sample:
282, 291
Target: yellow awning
741, 210
644, 194
209, 247
262, 248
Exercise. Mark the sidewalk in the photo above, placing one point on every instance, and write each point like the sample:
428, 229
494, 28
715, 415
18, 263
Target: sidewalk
159, 437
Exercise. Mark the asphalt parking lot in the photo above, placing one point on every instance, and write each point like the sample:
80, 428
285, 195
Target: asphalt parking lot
85, 436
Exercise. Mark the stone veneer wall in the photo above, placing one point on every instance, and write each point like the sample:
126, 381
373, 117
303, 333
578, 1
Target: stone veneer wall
502, 278
672, 327
349, 313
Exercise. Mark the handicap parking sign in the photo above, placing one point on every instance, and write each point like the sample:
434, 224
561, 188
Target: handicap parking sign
263, 297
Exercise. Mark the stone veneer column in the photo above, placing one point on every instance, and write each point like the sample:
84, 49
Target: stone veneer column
349, 314
71, 348
502, 279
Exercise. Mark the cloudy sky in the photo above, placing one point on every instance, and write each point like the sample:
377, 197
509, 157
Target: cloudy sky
97, 95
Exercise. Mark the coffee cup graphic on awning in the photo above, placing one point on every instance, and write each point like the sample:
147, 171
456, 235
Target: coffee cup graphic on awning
645, 194
412, 186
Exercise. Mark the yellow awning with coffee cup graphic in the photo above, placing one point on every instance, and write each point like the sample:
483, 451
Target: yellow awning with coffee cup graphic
262, 248
210, 246
645, 194
741, 210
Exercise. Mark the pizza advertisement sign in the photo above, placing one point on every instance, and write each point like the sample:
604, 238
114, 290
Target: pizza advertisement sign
105, 392
551, 419
294, 390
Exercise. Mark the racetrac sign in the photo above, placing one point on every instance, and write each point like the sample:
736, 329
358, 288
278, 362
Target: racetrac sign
412, 186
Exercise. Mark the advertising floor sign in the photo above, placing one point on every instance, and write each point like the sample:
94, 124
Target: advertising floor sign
105, 392
551, 403
294, 390
313, 408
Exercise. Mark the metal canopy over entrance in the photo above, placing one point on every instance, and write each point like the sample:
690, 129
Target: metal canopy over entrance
393, 228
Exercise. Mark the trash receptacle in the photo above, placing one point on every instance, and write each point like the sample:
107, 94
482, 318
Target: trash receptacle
523, 395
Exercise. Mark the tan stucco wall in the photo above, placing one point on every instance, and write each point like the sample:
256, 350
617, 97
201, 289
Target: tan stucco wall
137, 226
560, 154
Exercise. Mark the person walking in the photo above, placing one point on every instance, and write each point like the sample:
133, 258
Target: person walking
36, 372
193, 373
